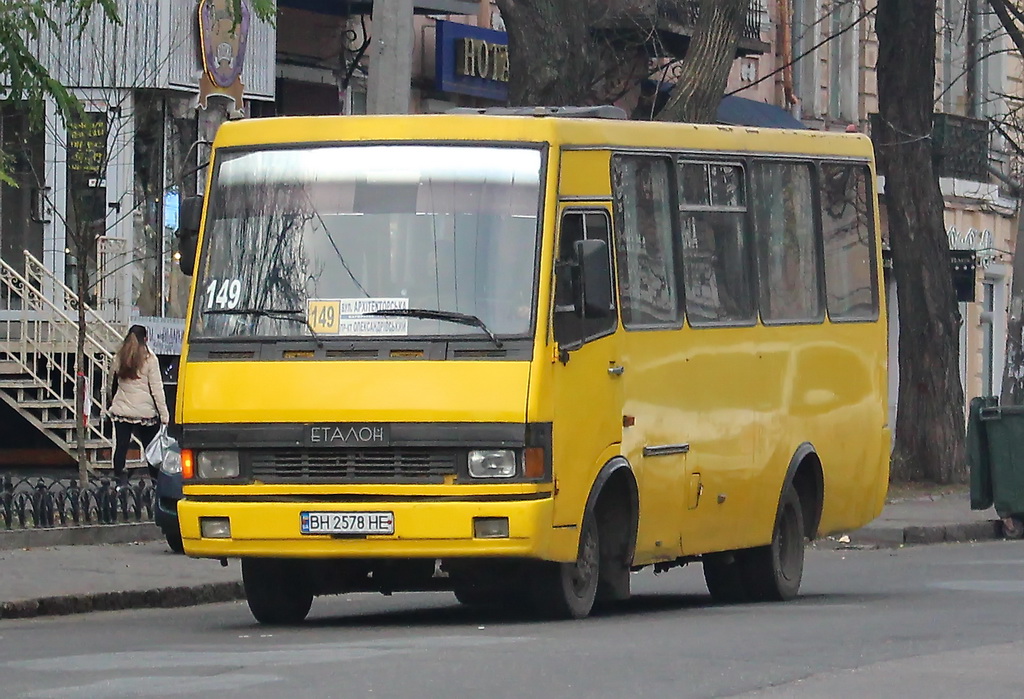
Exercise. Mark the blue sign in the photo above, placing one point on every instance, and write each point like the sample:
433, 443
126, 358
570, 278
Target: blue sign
471, 61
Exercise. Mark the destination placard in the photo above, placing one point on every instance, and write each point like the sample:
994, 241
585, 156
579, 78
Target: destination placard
349, 317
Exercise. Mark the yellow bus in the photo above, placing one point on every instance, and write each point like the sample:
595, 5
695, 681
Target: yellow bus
519, 356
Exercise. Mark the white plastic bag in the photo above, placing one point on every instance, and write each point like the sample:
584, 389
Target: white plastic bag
160, 447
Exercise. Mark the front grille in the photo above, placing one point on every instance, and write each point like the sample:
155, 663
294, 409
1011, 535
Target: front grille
352, 465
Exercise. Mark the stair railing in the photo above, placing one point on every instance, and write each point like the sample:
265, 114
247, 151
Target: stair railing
102, 331
47, 332
10, 308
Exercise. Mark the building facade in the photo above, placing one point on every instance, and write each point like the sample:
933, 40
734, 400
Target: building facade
95, 210
831, 51
157, 86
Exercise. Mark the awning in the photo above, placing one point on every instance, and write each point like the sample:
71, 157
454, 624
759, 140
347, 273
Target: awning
739, 111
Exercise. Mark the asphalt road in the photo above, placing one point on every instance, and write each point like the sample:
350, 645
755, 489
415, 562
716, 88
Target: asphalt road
932, 621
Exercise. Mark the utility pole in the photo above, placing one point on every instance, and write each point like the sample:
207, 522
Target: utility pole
387, 89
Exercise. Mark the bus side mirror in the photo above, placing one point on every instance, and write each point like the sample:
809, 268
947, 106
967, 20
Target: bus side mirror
594, 292
189, 218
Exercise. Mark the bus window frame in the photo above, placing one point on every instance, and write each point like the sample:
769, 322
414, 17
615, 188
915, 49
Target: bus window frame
819, 245
217, 159
674, 241
864, 167
750, 256
613, 325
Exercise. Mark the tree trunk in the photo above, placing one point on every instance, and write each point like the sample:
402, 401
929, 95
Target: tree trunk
80, 369
705, 68
930, 419
560, 55
1011, 17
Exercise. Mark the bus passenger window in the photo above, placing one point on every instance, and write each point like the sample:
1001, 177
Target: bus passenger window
571, 324
717, 274
643, 242
787, 243
848, 234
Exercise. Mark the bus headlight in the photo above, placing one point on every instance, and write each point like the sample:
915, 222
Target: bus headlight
217, 464
172, 463
492, 463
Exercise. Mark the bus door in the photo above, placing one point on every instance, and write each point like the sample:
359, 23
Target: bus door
657, 437
586, 375
657, 427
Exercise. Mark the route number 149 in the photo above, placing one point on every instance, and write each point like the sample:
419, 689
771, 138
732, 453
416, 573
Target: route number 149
224, 293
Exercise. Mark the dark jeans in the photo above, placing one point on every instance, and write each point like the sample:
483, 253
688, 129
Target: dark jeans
123, 432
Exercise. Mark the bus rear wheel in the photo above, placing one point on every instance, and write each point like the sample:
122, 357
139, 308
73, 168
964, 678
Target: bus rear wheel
275, 590
724, 577
568, 590
774, 572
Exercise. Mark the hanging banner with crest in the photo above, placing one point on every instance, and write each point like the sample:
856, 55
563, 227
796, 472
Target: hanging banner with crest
223, 36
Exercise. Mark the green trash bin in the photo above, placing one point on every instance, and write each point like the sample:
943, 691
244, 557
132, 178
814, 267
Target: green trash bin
995, 453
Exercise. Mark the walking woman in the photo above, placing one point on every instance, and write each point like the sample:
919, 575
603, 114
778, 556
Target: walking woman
138, 406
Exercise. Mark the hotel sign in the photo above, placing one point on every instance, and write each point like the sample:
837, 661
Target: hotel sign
471, 61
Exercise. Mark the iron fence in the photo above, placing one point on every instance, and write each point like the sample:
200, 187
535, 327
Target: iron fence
41, 502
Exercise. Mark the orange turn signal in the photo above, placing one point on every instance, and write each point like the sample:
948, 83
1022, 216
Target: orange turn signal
533, 462
188, 464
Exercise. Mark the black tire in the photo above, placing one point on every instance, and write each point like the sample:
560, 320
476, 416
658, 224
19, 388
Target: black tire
614, 525
773, 572
568, 590
475, 597
173, 537
275, 591
724, 577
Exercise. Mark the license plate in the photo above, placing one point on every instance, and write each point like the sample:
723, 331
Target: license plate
348, 523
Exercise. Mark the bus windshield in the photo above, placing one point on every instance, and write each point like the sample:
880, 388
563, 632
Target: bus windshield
370, 241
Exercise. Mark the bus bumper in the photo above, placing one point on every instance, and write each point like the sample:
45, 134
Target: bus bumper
422, 530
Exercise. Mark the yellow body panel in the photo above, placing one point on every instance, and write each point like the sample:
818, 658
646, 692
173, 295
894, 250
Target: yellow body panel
378, 391
743, 399
580, 173
593, 134
429, 529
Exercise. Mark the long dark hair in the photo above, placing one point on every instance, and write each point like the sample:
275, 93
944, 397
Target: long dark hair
133, 353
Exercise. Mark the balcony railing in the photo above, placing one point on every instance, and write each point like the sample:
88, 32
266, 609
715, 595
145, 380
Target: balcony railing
674, 22
686, 14
960, 146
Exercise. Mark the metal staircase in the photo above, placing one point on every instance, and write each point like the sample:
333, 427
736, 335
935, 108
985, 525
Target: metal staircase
38, 338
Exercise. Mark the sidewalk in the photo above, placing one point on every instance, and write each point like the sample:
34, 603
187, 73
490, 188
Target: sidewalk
916, 516
53, 576
70, 579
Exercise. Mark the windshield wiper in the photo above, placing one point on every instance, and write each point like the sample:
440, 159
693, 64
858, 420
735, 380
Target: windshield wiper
293, 314
451, 316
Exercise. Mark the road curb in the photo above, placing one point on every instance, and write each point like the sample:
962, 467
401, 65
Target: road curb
182, 596
84, 535
928, 534
186, 596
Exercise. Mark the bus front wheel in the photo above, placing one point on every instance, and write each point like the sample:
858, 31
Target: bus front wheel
774, 572
275, 591
568, 590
